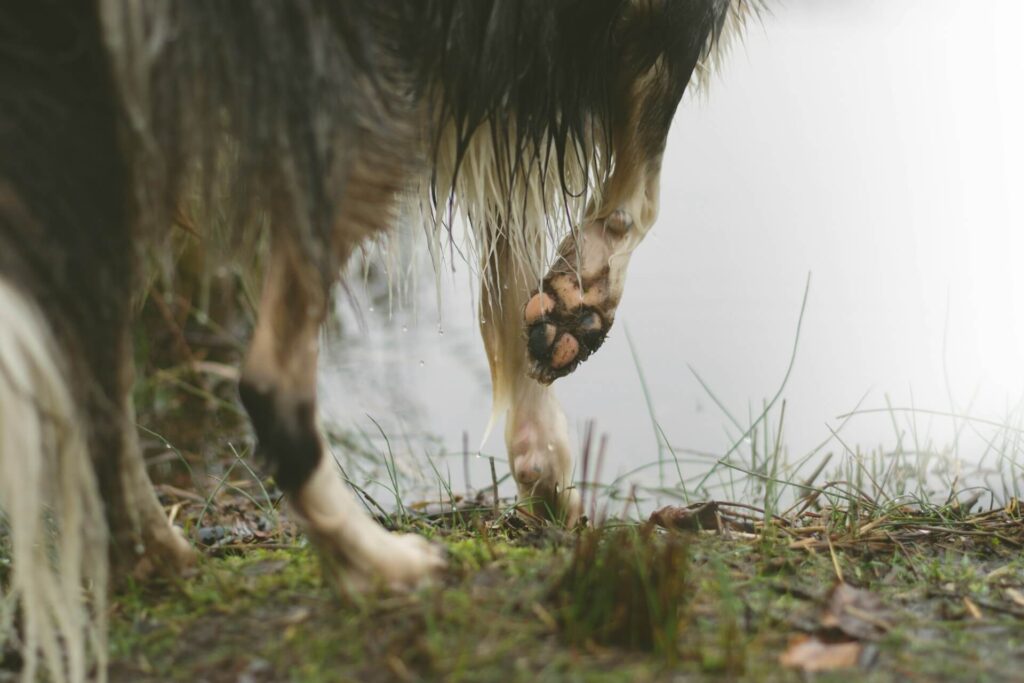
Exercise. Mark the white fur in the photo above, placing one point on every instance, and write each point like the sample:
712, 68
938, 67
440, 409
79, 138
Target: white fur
537, 438
540, 214
51, 504
539, 218
372, 555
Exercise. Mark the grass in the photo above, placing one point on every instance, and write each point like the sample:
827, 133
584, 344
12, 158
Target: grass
624, 586
715, 590
747, 566
621, 603
720, 589
724, 585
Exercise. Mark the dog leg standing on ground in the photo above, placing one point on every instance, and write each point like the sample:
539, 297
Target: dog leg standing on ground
534, 119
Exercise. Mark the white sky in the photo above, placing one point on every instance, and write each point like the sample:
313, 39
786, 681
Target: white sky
877, 144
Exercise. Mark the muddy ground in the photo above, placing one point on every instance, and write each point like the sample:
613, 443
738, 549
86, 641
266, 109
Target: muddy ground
822, 591
842, 585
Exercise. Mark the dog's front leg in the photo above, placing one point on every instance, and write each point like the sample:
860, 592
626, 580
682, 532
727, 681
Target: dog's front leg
278, 389
570, 314
536, 431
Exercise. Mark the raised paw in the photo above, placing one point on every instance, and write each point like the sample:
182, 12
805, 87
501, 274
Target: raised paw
569, 318
564, 335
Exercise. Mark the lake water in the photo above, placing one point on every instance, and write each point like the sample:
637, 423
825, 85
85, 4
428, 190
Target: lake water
874, 145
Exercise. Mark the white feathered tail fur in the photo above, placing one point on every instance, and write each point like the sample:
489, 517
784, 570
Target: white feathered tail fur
53, 601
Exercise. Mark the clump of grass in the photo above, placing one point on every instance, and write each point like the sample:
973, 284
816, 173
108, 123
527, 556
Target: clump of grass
625, 586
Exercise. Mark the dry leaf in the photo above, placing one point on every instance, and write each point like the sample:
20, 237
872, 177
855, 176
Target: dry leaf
850, 616
854, 612
999, 572
297, 615
1016, 596
810, 654
691, 518
972, 609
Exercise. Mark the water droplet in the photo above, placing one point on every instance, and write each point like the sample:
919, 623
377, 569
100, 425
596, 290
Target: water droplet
551, 446
440, 331
483, 321
370, 309
422, 364
405, 328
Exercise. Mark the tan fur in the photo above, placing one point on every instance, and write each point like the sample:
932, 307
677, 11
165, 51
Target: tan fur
282, 363
536, 434
283, 359
536, 431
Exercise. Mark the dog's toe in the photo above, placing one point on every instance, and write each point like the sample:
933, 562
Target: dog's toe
559, 341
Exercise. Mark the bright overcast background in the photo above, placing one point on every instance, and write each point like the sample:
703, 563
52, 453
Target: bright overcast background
876, 144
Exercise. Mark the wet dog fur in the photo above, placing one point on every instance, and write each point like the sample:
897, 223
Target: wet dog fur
538, 122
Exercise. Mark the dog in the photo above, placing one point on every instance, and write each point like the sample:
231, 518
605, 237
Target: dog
533, 122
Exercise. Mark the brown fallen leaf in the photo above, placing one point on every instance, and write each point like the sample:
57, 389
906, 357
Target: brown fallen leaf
697, 517
851, 616
1015, 596
854, 613
810, 654
972, 609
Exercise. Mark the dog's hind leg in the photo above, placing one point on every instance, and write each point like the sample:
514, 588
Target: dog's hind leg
278, 389
536, 433
73, 488
143, 541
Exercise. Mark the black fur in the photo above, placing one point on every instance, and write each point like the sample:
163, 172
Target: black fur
303, 119
287, 435
65, 238
294, 86
114, 113
63, 182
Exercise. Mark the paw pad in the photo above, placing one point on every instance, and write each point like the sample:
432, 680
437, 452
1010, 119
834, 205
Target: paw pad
569, 317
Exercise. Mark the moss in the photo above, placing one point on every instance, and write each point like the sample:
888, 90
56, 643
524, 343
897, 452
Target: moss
266, 615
